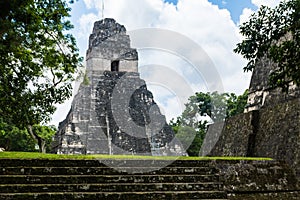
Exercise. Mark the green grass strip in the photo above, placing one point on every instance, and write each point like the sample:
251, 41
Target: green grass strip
30, 155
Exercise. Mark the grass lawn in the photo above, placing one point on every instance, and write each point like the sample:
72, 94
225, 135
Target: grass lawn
30, 155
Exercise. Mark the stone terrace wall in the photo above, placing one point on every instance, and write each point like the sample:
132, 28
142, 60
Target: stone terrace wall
258, 180
270, 132
234, 138
279, 133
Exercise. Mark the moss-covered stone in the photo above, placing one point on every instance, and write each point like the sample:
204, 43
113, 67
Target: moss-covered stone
270, 132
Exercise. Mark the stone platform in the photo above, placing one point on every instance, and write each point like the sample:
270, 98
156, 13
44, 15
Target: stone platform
180, 179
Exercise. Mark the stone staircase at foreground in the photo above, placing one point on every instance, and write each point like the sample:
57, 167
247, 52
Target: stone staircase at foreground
109, 179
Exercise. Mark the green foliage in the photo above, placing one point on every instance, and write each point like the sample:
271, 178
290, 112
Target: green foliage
236, 104
201, 109
38, 61
274, 34
86, 80
191, 139
47, 133
14, 139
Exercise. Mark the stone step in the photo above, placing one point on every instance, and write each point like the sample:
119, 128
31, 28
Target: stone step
104, 170
66, 179
109, 179
104, 163
273, 195
165, 195
119, 187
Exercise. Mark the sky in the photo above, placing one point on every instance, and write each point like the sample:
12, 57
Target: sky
210, 26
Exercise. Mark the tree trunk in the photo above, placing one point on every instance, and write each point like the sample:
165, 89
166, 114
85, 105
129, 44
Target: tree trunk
41, 142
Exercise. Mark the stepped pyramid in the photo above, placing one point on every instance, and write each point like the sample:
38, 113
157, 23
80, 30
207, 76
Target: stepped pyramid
114, 113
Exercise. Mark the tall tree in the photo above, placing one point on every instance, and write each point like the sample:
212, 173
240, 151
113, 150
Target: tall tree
274, 34
38, 61
201, 109
14, 139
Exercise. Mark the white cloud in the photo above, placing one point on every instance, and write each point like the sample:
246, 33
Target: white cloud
86, 23
89, 3
247, 12
270, 3
98, 4
133, 13
213, 30
169, 103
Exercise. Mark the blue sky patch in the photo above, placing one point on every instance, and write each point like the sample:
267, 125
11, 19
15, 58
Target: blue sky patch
235, 7
172, 1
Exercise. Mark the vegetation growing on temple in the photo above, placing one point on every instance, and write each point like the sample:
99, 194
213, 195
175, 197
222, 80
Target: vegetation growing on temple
274, 34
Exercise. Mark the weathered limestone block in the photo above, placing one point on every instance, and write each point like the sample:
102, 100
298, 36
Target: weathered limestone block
109, 42
279, 133
261, 94
212, 138
128, 118
258, 180
235, 136
270, 132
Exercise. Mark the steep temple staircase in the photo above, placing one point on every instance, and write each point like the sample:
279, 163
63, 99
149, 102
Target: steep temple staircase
22, 179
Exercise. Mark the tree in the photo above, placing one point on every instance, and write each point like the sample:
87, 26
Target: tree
38, 61
190, 138
46, 133
274, 34
236, 104
14, 139
201, 109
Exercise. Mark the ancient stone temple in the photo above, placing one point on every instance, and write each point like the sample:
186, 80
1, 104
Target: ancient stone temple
270, 125
114, 113
261, 94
